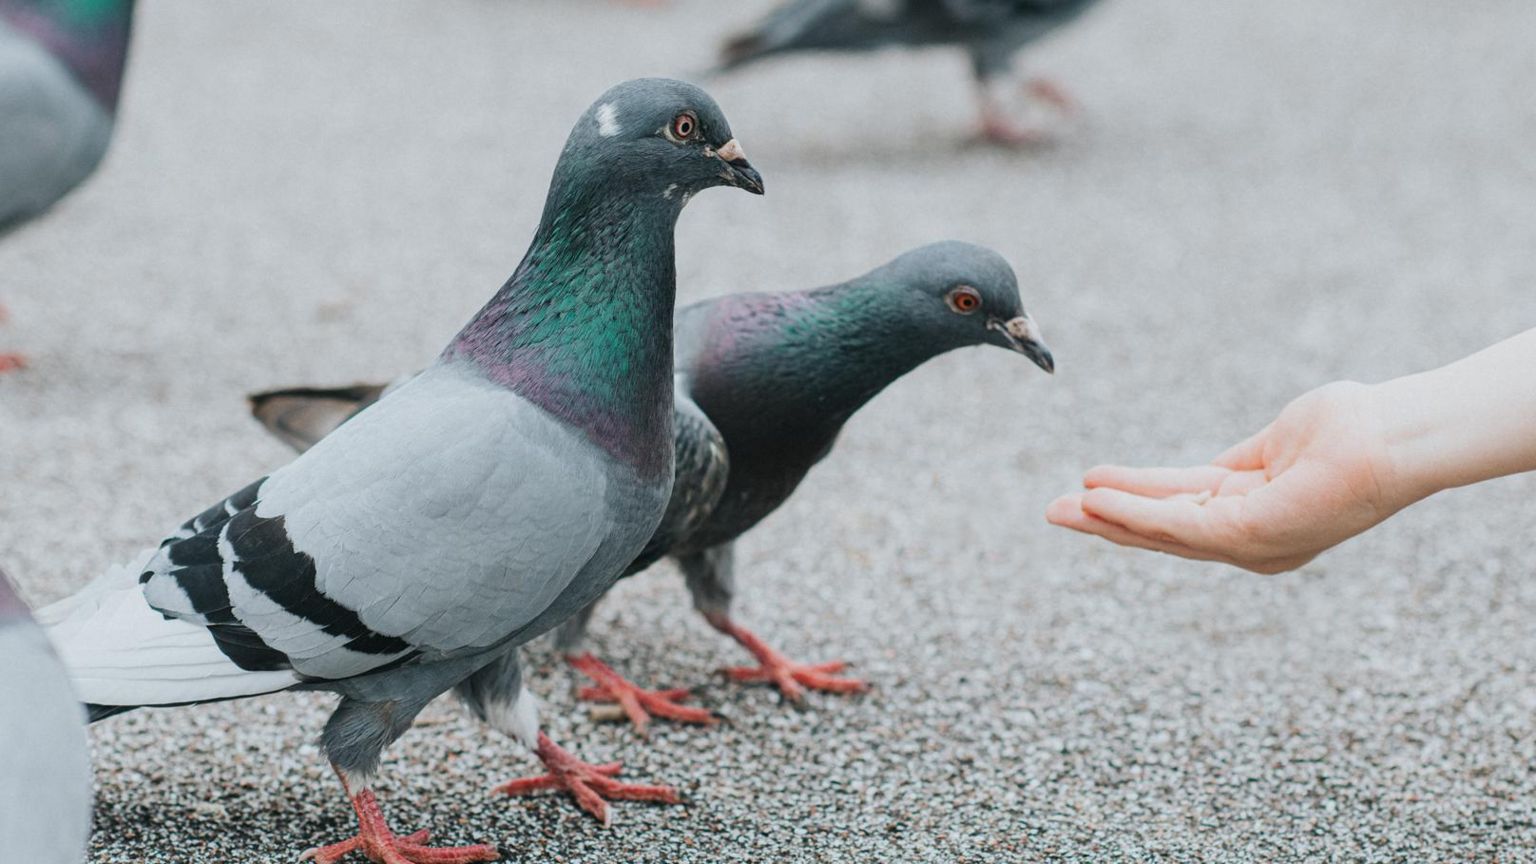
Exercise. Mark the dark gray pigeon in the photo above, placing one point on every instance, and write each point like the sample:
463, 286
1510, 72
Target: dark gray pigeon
61, 68
45, 768
990, 31
764, 384
500, 491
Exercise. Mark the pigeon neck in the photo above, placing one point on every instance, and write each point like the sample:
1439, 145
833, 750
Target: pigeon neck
583, 329
814, 358
90, 37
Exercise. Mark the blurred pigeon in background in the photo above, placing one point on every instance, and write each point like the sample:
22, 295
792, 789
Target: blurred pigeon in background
482, 503
765, 384
61, 68
989, 30
45, 768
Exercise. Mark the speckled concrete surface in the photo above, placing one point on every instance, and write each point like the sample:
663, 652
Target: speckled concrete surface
1261, 197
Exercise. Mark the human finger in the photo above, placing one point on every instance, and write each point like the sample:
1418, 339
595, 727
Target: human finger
1067, 512
1156, 482
1192, 522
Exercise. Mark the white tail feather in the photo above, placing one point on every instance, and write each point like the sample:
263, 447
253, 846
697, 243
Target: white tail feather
120, 651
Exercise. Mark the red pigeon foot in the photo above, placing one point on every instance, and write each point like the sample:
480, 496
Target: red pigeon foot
789, 676
997, 128
10, 362
1052, 94
380, 845
593, 786
639, 704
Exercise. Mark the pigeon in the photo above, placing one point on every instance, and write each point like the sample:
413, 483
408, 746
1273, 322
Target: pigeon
500, 491
764, 384
991, 31
61, 69
45, 769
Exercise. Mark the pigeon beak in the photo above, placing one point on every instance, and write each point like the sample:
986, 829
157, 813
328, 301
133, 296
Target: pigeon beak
738, 171
1023, 335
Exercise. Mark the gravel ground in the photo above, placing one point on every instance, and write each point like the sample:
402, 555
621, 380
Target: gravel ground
1261, 197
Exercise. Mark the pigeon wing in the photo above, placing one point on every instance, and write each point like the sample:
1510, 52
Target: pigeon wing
992, 11
700, 471
436, 522
803, 24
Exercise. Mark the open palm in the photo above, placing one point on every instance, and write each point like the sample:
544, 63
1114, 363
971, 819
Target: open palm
1316, 476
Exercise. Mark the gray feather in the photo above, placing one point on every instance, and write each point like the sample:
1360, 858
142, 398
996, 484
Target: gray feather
45, 775
990, 30
53, 133
453, 549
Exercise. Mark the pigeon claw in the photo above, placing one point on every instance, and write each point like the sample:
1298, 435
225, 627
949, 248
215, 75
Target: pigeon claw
380, 845
789, 676
639, 704
592, 786
792, 678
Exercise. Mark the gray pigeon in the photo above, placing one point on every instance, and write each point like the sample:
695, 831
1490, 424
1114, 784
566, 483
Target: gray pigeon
45, 768
502, 490
61, 68
991, 31
764, 384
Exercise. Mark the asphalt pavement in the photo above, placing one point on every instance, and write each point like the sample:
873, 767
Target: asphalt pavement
1256, 198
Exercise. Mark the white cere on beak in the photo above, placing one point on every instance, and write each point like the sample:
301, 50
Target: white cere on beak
730, 151
608, 120
1024, 329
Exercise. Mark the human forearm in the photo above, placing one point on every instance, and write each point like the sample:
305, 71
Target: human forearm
1335, 462
1469, 421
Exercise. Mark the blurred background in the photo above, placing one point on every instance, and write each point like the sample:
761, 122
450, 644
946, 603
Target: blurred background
1250, 200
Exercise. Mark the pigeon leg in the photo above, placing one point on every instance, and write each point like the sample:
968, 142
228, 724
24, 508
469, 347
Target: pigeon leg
639, 705
380, 845
9, 360
1051, 93
592, 786
789, 676
997, 127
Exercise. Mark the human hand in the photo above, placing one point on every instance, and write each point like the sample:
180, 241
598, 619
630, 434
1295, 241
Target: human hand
1321, 473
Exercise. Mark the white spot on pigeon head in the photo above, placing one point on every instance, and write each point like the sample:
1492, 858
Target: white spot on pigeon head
608, 120
667, 192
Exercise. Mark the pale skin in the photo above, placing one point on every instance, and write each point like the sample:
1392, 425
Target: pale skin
1336, 462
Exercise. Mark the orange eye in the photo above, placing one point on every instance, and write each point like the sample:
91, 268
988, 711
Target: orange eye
964, 300
684, 125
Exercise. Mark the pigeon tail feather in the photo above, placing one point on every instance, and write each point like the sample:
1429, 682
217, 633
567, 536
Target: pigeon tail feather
122, 654
806, 25
301, 416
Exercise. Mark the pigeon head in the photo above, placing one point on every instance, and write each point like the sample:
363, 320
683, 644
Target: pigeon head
583, 328
810, 359
654, 138
962, 294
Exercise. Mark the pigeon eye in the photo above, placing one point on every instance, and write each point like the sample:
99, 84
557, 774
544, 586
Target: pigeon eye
964, 300
684, 125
